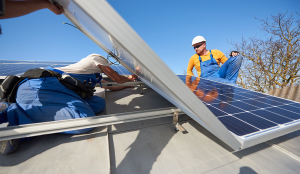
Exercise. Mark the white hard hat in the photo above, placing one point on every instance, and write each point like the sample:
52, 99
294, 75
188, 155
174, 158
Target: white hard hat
198, 39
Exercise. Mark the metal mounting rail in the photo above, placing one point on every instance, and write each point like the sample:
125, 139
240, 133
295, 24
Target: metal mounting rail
30, 130
136, 83
123, 84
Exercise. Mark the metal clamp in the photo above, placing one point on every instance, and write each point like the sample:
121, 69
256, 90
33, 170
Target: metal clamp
141, 88
178, 127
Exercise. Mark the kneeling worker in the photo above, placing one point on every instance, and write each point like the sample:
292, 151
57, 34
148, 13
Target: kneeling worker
46, 99
207, 63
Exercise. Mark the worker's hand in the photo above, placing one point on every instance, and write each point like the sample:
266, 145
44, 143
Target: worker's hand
132, 77
138, 70
57, 9
234, 53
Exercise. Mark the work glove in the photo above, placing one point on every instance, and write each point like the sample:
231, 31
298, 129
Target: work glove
89, 90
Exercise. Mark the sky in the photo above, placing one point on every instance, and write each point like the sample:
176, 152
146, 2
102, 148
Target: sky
167, 26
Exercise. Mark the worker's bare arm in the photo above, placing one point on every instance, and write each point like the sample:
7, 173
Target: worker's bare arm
115, 76
20, 8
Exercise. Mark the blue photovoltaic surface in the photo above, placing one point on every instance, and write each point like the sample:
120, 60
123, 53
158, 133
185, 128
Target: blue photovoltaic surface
13, 67
120, 70
242, 111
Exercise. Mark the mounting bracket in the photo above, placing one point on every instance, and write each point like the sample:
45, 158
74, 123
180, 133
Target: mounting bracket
141, 88
178, 127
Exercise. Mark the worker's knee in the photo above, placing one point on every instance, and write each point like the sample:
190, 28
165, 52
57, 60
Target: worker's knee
97, 104
237, 59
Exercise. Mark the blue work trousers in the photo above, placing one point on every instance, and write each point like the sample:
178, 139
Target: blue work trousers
46, 99
227, 73
230, 69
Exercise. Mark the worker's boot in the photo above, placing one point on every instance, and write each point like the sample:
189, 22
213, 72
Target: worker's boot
3, 112
3, 106
8, 146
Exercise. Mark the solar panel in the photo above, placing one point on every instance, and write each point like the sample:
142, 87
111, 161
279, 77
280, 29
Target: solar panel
242, 111
120, 70
233, 106
230, 113
18, 67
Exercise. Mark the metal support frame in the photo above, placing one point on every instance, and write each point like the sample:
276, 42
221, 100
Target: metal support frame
36, 129
178, 127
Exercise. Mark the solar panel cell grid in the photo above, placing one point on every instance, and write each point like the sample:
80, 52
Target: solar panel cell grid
37, 62
215, 111
268, 101
256, 103
11, 67
291, 108
280, 100
279, 119
242, 111
244, 106
283, 112
239, 97
230, 109
226, 98
297, 105
120, 69
254, 120
236, 126
248, 95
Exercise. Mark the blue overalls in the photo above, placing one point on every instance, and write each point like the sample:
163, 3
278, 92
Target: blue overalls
46, 99
227, 73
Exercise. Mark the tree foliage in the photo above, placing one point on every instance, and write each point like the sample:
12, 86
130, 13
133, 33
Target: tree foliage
273, 62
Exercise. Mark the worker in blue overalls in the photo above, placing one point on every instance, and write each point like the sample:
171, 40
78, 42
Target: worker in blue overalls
207, 63
46, 99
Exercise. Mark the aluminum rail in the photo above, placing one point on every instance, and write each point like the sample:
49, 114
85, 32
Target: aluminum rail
36, 129
123, 84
